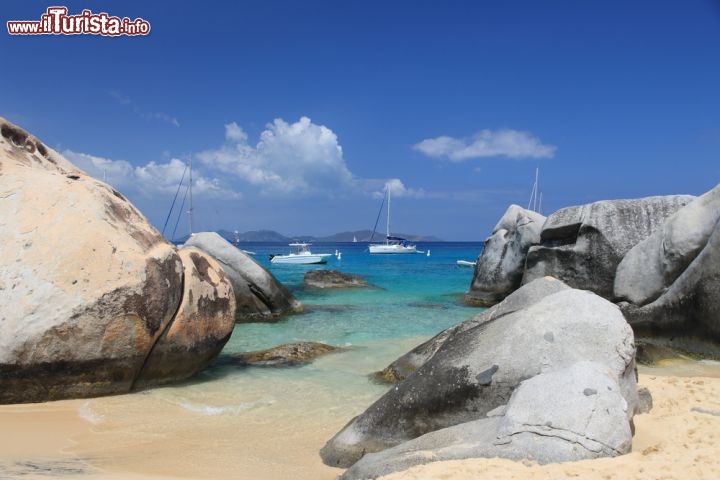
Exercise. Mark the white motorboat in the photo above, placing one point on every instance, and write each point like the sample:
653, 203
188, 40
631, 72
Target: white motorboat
301, 255
465, 263
392, 244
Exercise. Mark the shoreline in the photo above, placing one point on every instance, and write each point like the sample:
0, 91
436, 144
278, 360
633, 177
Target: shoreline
59, 440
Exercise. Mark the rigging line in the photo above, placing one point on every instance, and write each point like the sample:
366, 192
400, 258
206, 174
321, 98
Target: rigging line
377, 219
180, 212
174, 200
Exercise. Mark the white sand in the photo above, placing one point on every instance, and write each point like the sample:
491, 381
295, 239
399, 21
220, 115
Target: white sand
676, 440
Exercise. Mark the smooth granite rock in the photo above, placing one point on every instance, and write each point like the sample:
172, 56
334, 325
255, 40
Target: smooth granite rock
288, 354
499, 268
652, 265
677, 288
200, 328
570, 414
258, 294
529, 294
583, 245
333, 279
87, 286
477, 371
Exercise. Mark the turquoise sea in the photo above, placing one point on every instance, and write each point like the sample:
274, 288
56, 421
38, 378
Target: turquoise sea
270, 422
414, 295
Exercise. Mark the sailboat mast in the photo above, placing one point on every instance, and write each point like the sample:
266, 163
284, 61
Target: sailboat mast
388, 215
537, 186
534, 194
190, 209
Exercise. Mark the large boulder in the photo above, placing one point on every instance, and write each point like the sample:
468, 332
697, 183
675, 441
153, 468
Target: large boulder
575, 413
531, 293
259, 296
477, 371
583, 245
500, 266
201, 327
670, 282
88, 285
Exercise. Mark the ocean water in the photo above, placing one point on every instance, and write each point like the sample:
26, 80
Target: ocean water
413, 295
270, 422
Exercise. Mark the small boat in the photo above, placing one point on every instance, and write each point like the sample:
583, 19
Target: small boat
465, 263
392, 244
301, 255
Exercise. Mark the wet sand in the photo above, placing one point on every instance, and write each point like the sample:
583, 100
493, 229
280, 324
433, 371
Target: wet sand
130, 437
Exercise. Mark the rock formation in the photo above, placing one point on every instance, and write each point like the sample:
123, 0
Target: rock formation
500, 267
201, 327
259, 296
288, 354
583, 245
570, 414
531, 293
88, 286
670, 282
333, 279
477, 370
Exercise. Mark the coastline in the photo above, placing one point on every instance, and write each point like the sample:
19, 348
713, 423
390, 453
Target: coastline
59, 440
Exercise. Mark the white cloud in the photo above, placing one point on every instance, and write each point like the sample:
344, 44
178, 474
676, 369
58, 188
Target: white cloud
398, 189
150, 179
234, 133
487, 143
300, 158
118, 173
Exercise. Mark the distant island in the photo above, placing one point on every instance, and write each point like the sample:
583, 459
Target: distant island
269, 236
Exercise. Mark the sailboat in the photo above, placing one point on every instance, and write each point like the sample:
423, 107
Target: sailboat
392, 244
535, 203
188, 191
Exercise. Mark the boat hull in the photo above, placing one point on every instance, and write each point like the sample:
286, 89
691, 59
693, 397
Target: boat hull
300, 259
392, 249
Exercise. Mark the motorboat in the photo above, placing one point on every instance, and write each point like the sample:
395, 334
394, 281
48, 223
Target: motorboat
301, 255
465, 263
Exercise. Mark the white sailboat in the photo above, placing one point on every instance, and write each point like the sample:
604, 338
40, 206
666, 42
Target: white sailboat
392, 244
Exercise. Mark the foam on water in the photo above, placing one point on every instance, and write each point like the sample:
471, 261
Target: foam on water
225, 409
86, 412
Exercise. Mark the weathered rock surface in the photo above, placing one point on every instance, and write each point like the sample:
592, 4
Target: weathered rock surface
670, 282
500, 267
87, 285
583, 245
477, 371
531, 293
333, 279
201, 327
289, 354
574, 413
258, 294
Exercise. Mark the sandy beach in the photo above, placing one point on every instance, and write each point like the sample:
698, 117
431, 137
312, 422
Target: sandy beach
676, 440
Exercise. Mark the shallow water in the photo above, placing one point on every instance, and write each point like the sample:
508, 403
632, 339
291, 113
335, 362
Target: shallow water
268, 422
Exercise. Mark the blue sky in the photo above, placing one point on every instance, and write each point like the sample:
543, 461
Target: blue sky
296, 113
